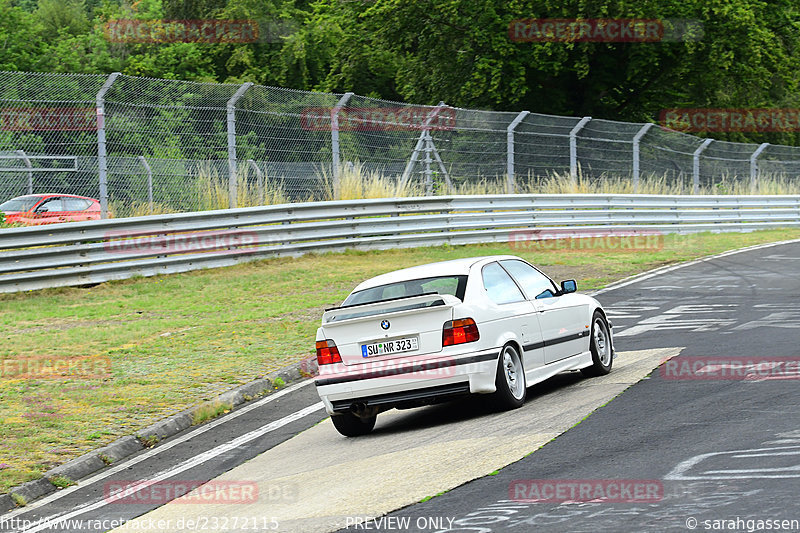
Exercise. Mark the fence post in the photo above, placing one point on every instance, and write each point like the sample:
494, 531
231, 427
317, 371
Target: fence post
420, 142
636, 139
428, 161
231, 124
754, 165
147, 169
510, 176
26, 160
573, 147
102, 163
335, 150
259, 180
696, 165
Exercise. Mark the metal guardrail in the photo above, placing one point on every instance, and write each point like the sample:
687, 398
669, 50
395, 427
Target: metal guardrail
91, 252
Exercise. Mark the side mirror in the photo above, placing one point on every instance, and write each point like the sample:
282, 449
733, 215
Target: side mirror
569, 286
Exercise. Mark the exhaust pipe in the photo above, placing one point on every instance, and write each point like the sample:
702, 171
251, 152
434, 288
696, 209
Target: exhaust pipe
362, 410
359, 409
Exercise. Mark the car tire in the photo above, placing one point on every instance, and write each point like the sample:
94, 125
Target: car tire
600, 347
351, 425
510, 379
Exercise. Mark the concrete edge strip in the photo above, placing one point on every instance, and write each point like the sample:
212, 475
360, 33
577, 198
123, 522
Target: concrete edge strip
124, 447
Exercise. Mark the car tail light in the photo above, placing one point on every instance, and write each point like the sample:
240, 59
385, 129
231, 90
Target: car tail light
459, 332
327, 353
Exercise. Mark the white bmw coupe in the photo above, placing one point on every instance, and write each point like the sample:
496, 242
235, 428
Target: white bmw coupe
484, 325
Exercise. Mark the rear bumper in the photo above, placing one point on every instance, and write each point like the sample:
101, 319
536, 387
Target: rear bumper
405, 398
395, 383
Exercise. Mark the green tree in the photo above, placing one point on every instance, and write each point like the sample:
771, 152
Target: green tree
60, 17
21, 47
460, 51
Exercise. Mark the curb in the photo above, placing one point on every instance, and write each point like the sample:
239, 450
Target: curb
124, 447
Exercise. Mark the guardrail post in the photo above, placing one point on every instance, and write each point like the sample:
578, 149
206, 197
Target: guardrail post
259, 180
147, 169
754, 165
510, 176
420, 143
636, 139
29, 166
231, 124
335, 150
573, 148
696, 165
102, 163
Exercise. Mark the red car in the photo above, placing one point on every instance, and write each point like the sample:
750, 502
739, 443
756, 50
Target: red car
37, 209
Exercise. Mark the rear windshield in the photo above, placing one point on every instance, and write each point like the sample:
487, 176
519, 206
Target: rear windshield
20, 204
453, 285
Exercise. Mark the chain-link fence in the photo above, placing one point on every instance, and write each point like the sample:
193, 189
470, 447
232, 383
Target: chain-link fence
145, 145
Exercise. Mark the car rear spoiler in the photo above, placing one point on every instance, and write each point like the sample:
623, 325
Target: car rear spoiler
391, 306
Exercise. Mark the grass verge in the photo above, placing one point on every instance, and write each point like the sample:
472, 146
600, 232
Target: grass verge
176, 341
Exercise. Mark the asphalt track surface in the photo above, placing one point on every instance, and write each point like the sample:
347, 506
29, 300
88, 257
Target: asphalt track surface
726, 451
721, 449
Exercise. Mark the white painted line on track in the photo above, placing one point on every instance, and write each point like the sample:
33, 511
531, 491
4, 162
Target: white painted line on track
683, 470
669, 268
159, 449
190, 463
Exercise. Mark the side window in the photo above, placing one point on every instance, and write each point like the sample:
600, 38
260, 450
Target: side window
499, 286
75, 204
535, 283
51, 205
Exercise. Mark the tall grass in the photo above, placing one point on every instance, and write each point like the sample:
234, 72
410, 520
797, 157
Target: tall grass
119, 209
562, 183
355, 183
212, 190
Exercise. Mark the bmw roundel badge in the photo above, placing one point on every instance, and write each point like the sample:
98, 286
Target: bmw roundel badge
385, 324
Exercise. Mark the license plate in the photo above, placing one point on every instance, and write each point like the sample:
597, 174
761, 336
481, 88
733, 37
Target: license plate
408, 344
